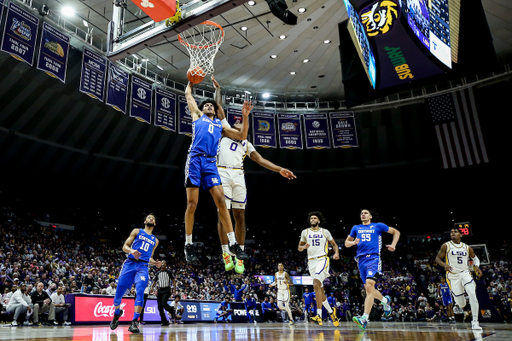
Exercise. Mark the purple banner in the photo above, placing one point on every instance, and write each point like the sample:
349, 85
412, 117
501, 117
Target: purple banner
20, 33
290, 131
94, 71
165, 109
140, 100
264, 129
316, 127
343, 128
53, 52
234, 115
184, 116
117, 87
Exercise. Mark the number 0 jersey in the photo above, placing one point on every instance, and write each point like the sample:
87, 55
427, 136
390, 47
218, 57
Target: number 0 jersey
233, 152
206, 134
144, 243
370, 238
457, 256
317, 241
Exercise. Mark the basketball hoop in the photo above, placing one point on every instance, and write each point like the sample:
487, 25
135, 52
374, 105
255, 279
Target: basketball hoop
202, 42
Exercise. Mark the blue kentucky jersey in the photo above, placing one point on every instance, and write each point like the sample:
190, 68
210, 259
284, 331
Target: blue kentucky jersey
445, 289
370, 238
144, 243
250, 303
308, 298
206, 134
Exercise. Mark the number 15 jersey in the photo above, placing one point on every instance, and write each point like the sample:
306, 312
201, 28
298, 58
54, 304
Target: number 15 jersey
370, 238
317, 241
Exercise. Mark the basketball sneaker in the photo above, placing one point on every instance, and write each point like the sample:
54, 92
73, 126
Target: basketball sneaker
291, 323
475, 325
134, 327
334, 318
387, 306
362, 323
316, 319
115, 321
228, 262
239, 266
239, 253
190, 253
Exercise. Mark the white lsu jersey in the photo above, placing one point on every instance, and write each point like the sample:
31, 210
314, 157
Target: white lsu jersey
317, 241
233, 152
457, 256
281, 281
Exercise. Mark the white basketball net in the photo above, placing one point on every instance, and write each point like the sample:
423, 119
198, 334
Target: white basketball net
202, 43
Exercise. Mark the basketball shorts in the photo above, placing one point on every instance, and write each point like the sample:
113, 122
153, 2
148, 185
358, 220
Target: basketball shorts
283, 295
133, 272
458, 281
369, 267
233, 183
447, 300
201, 171
319, 268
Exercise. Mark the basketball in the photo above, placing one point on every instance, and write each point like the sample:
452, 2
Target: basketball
196, 75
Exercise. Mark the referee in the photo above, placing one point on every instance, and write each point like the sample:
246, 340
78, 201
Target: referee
164, 279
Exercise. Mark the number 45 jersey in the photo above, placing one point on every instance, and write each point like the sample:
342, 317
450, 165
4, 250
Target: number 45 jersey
370, 238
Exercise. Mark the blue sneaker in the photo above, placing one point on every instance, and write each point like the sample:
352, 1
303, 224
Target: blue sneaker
360, 322
387, 306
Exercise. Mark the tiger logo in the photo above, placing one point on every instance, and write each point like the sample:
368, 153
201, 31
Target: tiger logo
380, 17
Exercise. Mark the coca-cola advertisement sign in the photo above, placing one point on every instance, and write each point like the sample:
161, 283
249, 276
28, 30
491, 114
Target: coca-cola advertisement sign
101, 309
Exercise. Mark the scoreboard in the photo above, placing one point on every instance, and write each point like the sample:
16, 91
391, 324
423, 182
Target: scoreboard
464, 228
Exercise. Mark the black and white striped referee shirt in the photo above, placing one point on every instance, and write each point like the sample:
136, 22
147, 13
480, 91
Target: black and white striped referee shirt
164, 278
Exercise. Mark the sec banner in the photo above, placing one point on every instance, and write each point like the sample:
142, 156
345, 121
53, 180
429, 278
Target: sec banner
20, 33
140, 100
165, 109
53, 52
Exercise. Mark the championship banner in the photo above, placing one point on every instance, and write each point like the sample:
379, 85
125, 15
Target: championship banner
264, 129
234, 115
290, 131
343, 129
20, 33
53, 52
165, 109
117, 87
184, 116
316, 127
140, 100
94, 71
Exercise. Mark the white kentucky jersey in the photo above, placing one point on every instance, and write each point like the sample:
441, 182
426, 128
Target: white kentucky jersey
317, 241
281, 281
457, 256
233, 152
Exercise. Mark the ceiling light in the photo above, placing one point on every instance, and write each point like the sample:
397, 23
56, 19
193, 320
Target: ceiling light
282, 36
161, 68
243, 28
302, 10
305, 61
273, 56
265, 95
327, 41
293, 73
251, 3
68, 11
86, 24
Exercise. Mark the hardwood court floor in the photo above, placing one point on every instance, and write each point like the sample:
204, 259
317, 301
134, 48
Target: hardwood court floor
347, 331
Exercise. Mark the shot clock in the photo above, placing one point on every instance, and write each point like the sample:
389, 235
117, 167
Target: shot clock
464, 228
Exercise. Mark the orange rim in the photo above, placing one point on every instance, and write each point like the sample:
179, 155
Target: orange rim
207, 22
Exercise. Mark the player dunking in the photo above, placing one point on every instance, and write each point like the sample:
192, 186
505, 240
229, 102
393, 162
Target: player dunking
443, 291
140, 247
201, 167
368, 238
454, 258
230, 163
315, 240
283, 281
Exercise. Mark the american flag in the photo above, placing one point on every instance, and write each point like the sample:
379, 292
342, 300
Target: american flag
458, 129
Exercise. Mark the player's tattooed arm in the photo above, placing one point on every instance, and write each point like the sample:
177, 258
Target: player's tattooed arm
288, 279
440, 256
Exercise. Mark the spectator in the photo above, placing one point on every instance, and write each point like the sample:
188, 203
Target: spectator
177, 309
42, 303
17, 304
59, 301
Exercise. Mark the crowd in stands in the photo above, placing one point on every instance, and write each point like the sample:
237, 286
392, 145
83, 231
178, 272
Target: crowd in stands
66, 262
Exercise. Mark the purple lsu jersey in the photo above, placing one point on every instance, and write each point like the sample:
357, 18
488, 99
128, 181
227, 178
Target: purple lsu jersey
370, 238
206, 134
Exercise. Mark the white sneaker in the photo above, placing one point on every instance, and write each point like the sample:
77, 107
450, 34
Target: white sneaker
475, 325
14, 324
67, 323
